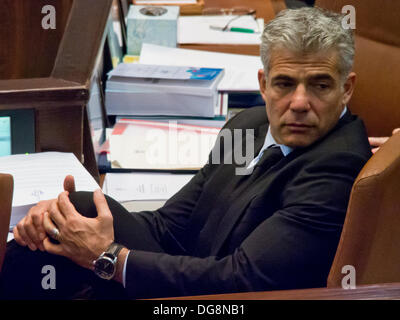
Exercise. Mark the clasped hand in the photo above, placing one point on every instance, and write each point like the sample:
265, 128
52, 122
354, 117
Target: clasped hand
80, 239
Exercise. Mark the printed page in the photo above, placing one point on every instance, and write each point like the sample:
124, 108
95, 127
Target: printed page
144, 186
40, 176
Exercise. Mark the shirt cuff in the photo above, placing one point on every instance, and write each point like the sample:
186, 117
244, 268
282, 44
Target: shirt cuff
124, 270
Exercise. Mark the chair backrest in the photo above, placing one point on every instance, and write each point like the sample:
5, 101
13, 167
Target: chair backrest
371, 233
6, 193
376, 98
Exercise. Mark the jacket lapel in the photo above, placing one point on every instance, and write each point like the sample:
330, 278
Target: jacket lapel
237, 209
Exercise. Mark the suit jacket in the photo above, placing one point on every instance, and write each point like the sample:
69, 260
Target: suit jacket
277, 228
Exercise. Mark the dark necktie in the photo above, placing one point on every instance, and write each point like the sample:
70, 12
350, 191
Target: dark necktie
270, 157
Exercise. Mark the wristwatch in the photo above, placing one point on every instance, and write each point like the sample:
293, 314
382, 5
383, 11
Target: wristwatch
105, 266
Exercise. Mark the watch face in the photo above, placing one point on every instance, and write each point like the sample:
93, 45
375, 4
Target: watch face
104, 267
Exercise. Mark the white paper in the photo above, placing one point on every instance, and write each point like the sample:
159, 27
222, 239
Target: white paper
196, 29
240, 70
40, 176
144, 186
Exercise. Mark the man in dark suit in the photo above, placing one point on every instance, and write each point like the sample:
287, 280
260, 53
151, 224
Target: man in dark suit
273, 224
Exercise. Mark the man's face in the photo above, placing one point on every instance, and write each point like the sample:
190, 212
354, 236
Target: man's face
304, 95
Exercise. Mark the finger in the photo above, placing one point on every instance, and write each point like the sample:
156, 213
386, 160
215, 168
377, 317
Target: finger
374, 150
53, 248
377, 141
25, 237
397, 130
48, 224
55, 215
33, 233
103, 211
65, 205
18, 238
37, 220
69, 183
36, 230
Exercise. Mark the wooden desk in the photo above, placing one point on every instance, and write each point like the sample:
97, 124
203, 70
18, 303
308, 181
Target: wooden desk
384, 291
266, 9
50, 71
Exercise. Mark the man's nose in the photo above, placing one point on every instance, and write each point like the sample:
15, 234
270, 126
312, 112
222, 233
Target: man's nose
300, 101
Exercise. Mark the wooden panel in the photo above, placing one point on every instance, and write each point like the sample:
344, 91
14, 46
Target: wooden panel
30, 51
80, 50
56, 126
375, 20
6, 191
253, 50
44, 90
376, 96
377, 62
266, 9
51, 70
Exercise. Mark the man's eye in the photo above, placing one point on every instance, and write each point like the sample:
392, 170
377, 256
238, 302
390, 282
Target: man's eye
321, 86
283, 85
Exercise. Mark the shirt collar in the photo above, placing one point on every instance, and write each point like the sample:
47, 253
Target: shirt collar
269, 139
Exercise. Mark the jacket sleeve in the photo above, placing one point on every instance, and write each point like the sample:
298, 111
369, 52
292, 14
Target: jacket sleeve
293, 248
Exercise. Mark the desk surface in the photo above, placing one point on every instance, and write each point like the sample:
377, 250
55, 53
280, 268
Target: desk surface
384, 291
266, 9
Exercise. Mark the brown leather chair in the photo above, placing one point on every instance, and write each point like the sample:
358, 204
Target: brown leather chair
376, 98
370, 239
371, 232
6, 193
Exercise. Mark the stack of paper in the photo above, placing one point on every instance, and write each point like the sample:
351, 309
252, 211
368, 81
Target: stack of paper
40, 176
216, 122
153, 145
137, 89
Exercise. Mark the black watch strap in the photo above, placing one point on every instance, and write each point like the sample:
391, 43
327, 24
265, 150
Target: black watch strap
114, 249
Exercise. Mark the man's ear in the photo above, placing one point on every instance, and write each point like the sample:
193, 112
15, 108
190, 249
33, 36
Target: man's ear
348, 88
262, 82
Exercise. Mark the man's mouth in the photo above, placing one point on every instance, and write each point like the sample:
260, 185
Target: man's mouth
298, 127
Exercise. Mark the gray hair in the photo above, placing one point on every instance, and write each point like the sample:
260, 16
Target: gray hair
309, 30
